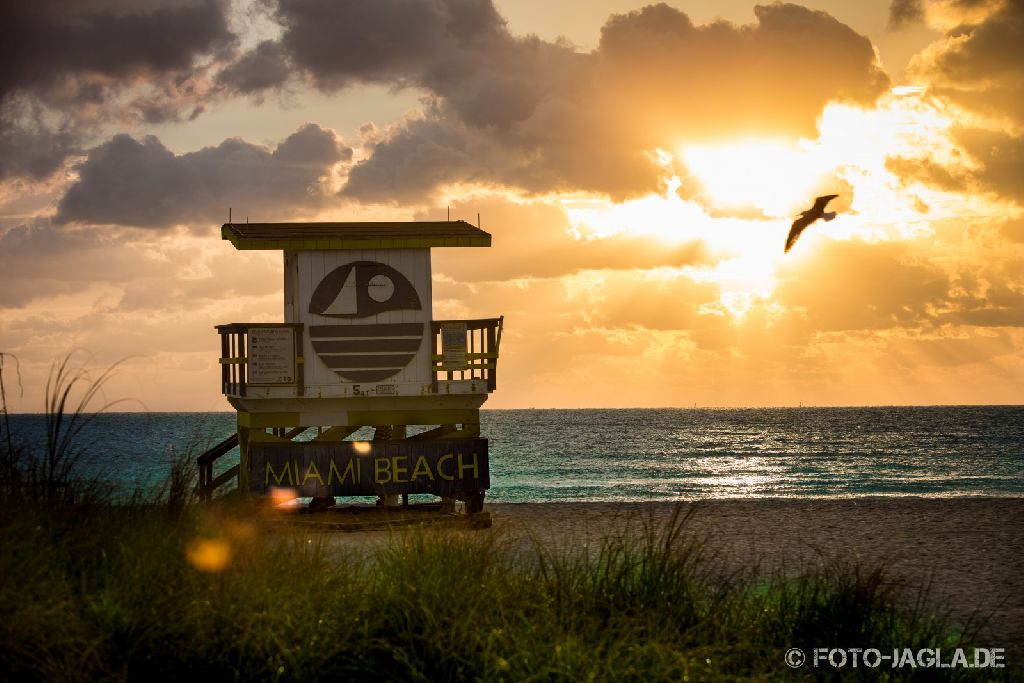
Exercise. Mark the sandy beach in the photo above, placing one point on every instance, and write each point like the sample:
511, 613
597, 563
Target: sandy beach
971, 550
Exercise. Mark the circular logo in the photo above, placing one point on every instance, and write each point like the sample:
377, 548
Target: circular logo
795, 658
365, 351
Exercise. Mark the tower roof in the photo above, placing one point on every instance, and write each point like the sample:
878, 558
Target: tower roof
331, 236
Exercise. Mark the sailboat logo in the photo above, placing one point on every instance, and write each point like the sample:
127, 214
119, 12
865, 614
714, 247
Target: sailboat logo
365, 352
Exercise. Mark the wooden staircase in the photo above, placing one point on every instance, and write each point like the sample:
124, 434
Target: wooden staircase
207, 482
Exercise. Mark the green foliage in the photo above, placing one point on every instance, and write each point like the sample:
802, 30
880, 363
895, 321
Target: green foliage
50, 475
110, 593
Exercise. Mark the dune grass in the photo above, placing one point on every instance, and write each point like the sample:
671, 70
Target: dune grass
115, 592
158, 589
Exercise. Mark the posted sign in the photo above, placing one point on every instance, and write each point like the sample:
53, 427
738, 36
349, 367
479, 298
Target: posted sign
453, 346
440, 467
270, 353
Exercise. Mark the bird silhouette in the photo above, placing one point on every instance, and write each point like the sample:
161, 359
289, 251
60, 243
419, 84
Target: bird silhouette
809, 216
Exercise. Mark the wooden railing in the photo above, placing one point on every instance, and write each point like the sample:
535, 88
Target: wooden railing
234, 362
207, 482
466, 350
461, 350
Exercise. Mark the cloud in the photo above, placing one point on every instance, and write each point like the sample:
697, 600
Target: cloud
534, 241
64, 64
1001, 159
1013, 230
136, 271
904, 12
853, 285
37, 260
980, 66
994, 162
30, 148
48, 40
143, 184
264, 67
348, 41
541, 117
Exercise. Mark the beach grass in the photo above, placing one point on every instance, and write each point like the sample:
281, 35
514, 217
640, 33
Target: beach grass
153, 587
125, 592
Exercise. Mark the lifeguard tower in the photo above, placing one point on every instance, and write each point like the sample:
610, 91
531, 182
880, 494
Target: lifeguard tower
358, 349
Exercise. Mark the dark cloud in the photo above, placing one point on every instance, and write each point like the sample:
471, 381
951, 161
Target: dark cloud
62, 62
264, 67
716, 80
420, 155
537, 115
44, 41
143, 184
904, 12
346, 41
28, 147
40, 260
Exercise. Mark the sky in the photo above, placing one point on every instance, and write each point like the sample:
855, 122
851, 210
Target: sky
638, 167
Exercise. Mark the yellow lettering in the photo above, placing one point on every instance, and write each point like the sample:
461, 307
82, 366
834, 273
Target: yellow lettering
313, 472
463, 467
422, 469
350, 472
440, 472
398, 471
382, 471
278, 478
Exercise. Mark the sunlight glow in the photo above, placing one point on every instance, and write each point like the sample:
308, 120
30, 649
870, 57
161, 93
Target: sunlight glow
770, 176
741, 197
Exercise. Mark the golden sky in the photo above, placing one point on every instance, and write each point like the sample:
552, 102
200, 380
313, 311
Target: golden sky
637, 165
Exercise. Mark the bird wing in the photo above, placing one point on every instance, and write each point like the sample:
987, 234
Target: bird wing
820, 202
794, 231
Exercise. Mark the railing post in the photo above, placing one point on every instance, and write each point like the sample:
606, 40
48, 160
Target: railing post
243, 368
492, 372
224, 368
300, 367
435, 331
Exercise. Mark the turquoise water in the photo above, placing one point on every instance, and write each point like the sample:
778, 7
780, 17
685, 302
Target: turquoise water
640, 455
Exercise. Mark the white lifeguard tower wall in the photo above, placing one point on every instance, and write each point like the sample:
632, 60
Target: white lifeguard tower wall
304, 271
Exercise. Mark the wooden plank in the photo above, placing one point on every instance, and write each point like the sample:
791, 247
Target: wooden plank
259, 436
351, 236
263, 420
338, 433
218, 450
414, 417
223, 478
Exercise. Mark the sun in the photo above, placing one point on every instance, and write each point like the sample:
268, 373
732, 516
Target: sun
739, 197
770, 176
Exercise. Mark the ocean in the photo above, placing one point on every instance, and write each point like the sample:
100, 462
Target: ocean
649, 455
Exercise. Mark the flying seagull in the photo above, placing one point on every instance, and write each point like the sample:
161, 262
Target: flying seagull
809, 216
